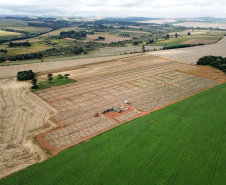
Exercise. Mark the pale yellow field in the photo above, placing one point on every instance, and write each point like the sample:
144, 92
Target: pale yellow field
6, 33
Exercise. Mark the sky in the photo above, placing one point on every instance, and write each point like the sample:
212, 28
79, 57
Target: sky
116, 8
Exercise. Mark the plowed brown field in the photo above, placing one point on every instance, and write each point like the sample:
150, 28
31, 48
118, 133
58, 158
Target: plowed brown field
147, 82
22, 116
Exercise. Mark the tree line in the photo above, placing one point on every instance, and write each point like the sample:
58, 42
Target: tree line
19, 44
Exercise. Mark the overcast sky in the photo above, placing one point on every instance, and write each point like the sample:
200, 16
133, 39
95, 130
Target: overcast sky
116, 8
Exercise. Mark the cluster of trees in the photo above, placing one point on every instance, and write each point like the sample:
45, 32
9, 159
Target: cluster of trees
25, 75
73, 34
50, 76
21, 57
214, 61
3, 50
77, 50
101, 38
125, 35
181, 46
19, 44
137, 43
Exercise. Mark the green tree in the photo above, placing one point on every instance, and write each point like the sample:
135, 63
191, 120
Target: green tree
60, 76
66, 76
143, 48
167, 37
50, 77
176, 35
34, 82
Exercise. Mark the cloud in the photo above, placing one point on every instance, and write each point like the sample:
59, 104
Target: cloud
116, 8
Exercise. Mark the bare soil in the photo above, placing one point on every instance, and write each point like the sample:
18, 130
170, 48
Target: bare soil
198, 41
10, 71
192, 54
23, 115
108, 38
147, 82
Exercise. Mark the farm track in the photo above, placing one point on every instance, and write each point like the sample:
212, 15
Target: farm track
89, 150
192, 54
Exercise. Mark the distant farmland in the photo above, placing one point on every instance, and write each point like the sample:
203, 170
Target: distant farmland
180, 144
4, 35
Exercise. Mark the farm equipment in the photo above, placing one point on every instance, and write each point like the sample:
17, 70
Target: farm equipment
127, 102
112, 109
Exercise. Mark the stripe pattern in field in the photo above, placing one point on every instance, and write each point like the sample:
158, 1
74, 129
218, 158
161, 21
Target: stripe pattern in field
22, 115
180, 144
147, 82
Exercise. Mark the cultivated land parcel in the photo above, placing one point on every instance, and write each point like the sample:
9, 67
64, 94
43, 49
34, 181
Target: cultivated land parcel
183, 143
180, 144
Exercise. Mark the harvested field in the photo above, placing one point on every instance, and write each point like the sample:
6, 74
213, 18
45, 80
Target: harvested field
108, 38
209, 72
191, 55
10, 71
122, 50
147, 82
202, 25
22, 116
198, 41
195, 32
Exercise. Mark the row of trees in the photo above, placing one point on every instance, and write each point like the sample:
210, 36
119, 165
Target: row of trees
3, 50
19, 44
181, 46
46, 53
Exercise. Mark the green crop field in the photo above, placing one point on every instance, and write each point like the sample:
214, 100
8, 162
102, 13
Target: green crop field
180, 144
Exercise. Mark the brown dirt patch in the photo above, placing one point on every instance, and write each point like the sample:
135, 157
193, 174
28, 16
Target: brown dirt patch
192, 54
195, 32
198, 41
108, 38
209, 72
22, 116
